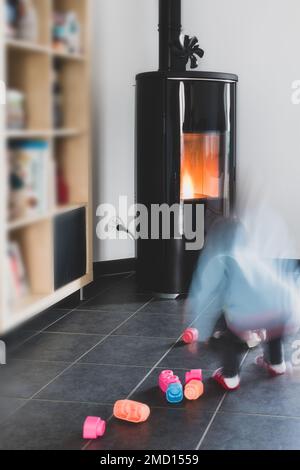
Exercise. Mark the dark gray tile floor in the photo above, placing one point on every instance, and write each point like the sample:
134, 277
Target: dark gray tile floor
76, 359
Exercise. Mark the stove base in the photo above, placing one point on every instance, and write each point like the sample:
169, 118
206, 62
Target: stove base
162, 296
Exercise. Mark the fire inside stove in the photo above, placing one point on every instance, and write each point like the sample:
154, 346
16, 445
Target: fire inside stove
200, 166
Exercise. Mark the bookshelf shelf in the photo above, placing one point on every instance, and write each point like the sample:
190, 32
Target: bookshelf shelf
24, 134
61, 133
21, 223
28, 134
19, 44
28, 67
68, 56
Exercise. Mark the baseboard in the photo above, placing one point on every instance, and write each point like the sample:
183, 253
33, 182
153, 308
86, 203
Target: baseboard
104, 268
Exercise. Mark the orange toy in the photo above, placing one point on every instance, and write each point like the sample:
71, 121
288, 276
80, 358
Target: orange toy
131, 411
193, 390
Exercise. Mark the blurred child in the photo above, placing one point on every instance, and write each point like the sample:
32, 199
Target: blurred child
253, 292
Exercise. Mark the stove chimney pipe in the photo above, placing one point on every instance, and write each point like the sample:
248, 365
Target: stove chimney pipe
169, 33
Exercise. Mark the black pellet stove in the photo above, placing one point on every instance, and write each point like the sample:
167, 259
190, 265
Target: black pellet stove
185, 149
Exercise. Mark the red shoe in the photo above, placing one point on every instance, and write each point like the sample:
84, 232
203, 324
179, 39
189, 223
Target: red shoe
261, 362
224, 382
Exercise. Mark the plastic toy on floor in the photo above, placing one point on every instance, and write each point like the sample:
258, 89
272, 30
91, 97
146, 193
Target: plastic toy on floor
191, 335
132, 411
194, 387
174, 393
93, 427
194, 390
166, 378
194, 374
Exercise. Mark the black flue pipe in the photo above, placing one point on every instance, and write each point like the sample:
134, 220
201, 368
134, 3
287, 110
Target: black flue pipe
169, 33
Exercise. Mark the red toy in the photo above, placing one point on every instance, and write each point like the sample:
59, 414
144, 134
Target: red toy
191, 335
195, 374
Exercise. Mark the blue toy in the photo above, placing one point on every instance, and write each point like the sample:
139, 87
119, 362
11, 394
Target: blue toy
174, 393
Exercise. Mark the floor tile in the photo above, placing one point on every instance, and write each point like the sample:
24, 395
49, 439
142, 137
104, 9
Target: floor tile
130, 285
150, 393
166, 429
21, 379
117, 301
70, 302
170, 307
155, 325
48, 426
17, 337
45, 319
56, 347
264, 395
246, 432
193, 356
101, 285
9, 406
90, 322
128, 350
94, 383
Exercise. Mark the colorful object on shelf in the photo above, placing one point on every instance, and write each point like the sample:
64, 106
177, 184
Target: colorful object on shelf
93, 427
15, 109
166, 378
17, 276
58, 96
67, 33
132, 411
29, 179
174, 393
11, 16
28, 23
190, 336
193, 390
63, 193
195, 374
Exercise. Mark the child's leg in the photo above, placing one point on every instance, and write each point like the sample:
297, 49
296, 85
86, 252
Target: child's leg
228, 376
231, 355
273, 358
273, 352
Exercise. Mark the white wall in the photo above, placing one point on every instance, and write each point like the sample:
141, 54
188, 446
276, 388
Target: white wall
258, 40
125, 43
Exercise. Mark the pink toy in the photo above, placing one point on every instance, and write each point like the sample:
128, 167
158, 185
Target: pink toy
93, 427
166, 378
190, 335
195, 374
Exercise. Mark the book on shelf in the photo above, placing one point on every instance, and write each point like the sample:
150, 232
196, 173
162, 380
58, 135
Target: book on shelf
29, 173
18, 286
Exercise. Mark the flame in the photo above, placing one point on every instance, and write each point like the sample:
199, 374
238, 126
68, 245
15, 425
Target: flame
187, 190
200, 170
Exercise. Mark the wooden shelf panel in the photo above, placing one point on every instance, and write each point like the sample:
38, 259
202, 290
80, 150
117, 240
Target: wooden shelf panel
23, 223
32, 304
30, 73
62, 133
71, 158
28, 134
68, 56
36, 246
46, 133
20, 45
